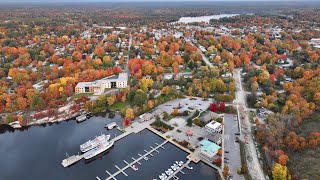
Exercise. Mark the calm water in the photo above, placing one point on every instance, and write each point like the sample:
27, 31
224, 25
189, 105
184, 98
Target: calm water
205, 19
37, 152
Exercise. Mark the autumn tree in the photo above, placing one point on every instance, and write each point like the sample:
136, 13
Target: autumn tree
280, 172
129, 114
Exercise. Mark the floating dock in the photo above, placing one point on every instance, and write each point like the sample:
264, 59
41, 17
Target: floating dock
71, 160
179, 170
129, 165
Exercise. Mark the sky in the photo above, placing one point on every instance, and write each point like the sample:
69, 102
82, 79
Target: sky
10, 1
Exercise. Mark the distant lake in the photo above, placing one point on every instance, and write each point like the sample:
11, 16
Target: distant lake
205, 19
36, 152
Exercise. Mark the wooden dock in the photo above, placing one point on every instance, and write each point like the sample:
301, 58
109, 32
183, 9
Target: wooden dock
129, 165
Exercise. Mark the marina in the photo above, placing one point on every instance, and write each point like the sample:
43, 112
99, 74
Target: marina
112, 176
73, 134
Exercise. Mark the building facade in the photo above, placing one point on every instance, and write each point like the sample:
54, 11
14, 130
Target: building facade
114, 81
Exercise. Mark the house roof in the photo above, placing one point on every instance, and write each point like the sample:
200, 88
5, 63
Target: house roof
209, 147
213, 125
208, 116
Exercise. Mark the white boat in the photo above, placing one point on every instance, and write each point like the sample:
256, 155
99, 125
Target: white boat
105, 145
146, 158
93, 143
180, 163
81, 118
111, 125
134, 167
173, 168
169, 172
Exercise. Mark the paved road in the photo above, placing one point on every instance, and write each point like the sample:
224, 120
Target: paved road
130, 43
254, 166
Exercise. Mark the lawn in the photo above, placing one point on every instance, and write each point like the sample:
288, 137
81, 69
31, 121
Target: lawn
119, 106
82, 94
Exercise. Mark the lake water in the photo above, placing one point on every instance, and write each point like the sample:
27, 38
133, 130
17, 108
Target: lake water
205, 19
37, 152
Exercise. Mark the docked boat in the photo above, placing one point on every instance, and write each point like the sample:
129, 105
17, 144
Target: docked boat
111, 125
134, 167
174, 167
93, 143
81, 118
103, 146
180, 163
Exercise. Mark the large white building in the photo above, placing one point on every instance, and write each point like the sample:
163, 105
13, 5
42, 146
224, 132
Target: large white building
213, 127
114, 81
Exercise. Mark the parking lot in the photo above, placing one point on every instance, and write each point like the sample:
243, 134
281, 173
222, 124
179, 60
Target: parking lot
231, 147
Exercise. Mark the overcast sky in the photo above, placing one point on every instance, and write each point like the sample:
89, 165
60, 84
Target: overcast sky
10, 1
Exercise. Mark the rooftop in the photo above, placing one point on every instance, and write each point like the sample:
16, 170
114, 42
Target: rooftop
209, 147
213, 125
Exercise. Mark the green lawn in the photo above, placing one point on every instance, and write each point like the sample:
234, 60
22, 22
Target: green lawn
82, 94
119, 106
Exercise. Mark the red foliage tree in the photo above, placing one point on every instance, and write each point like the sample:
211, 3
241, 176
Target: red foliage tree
213, 107
222, 107
219, 161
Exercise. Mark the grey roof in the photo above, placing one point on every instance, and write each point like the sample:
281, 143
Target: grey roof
208, 116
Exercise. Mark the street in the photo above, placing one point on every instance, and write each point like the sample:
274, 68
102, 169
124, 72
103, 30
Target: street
254, 166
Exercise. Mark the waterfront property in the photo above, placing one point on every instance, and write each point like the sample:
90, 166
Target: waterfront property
208, 149
213, 127
114, 81
66, 136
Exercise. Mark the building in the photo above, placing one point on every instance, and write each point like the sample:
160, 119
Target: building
207, 117
114, 81
216, 138
213, 127
150, 115
208, 149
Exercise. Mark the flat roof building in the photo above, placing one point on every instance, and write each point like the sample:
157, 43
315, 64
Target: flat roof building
213, 127
208, 149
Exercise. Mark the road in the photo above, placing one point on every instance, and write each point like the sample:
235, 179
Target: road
254, 166
129, 47
203, 56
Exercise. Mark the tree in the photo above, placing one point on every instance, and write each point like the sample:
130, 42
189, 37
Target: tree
150, 104
283, 159
221, 107
175, 112
111, 100
219, 161
129, 114
213, 107
279, 172
225, 170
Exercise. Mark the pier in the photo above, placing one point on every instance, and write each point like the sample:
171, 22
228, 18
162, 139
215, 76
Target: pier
71, 160
179, 170
129, 165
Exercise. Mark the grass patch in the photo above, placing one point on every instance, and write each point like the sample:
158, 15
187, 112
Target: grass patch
82, 95
119, 106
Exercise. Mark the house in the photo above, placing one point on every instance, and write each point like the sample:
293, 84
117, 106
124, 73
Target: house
150, 115
114, 81
208, 149
213, 127
216, 138
207, 117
